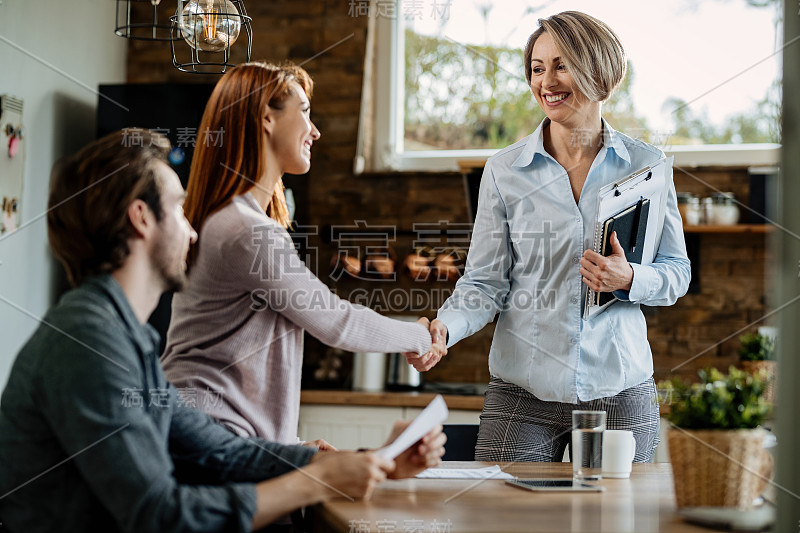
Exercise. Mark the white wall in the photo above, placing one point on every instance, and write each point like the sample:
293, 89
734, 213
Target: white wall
74, 37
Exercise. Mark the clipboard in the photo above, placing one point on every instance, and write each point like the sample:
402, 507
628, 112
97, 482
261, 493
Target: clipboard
626, 200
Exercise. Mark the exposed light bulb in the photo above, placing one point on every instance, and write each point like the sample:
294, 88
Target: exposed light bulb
211, 21
210, 25
155, 2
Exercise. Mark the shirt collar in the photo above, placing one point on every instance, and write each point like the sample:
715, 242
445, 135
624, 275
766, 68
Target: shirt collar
534, 145
612, 140
145, 335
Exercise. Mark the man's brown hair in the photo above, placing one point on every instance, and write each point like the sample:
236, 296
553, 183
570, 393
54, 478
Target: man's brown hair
90, 192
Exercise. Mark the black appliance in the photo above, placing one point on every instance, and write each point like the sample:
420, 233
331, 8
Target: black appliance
174, 109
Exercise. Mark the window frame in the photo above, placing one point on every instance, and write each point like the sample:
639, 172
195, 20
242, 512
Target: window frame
389, 123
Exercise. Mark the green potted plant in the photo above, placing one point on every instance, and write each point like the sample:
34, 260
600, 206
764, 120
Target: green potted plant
757, 355
716, 446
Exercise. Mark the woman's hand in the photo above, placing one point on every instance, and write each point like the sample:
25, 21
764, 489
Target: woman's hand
322, 444
426, 361
425, 453
607, 274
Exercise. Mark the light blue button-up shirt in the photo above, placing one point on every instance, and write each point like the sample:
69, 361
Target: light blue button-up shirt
523, 263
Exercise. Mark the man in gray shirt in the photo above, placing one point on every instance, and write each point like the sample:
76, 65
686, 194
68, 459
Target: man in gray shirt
92, 436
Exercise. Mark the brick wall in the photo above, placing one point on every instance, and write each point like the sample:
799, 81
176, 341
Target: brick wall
702, 328
697, 329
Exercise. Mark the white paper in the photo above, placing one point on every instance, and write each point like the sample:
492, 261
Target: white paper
489, 472
655, 189
430, 417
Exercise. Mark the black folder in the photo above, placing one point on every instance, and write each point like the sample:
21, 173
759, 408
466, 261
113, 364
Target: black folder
631, 226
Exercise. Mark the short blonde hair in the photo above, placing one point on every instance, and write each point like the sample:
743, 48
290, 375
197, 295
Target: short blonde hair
591, 50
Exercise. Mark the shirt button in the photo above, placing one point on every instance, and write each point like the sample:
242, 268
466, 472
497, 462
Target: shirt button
575, 260
573, 300
573, 340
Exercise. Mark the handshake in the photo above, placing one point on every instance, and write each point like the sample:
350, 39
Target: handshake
426, 361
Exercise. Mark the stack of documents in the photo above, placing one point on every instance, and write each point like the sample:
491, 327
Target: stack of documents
488, 472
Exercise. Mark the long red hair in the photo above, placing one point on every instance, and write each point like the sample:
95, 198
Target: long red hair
233, 119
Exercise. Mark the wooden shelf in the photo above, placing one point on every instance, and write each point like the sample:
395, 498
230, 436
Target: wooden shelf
737, 228
395, 399
387, 399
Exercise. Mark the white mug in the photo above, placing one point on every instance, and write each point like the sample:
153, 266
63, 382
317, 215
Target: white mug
619, 447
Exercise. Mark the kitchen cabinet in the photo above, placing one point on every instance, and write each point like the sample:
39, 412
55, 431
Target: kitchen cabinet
352, 420
348, 427
353, 427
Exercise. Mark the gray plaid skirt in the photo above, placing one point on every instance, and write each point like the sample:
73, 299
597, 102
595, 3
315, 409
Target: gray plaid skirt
517, 426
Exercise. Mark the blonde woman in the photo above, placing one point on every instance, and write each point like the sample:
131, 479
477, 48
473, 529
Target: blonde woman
531, 261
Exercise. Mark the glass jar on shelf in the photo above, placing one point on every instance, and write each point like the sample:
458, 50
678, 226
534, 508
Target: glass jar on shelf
689, 207
725, 212
707, 210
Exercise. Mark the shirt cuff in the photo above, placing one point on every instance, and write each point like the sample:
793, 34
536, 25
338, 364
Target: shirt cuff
456, 327
642, 279
622, 294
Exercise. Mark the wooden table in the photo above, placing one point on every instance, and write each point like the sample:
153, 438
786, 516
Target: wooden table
643, 503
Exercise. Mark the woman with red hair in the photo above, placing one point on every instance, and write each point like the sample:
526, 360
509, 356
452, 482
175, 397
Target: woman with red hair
237, 330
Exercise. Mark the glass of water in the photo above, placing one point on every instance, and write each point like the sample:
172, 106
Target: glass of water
587, 444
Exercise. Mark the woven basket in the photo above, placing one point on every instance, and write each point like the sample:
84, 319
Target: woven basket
718, 468
769, 368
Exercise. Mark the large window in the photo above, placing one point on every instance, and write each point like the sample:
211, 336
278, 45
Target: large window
700, 74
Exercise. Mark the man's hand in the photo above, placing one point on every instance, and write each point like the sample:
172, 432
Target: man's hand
322, 444
438, 350
426, 453
607, 274
354, 474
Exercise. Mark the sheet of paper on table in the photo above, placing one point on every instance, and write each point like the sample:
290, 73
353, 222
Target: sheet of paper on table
488, 472
434, 414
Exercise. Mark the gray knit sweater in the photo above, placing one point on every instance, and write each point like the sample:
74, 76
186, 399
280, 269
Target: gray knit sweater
235, 342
